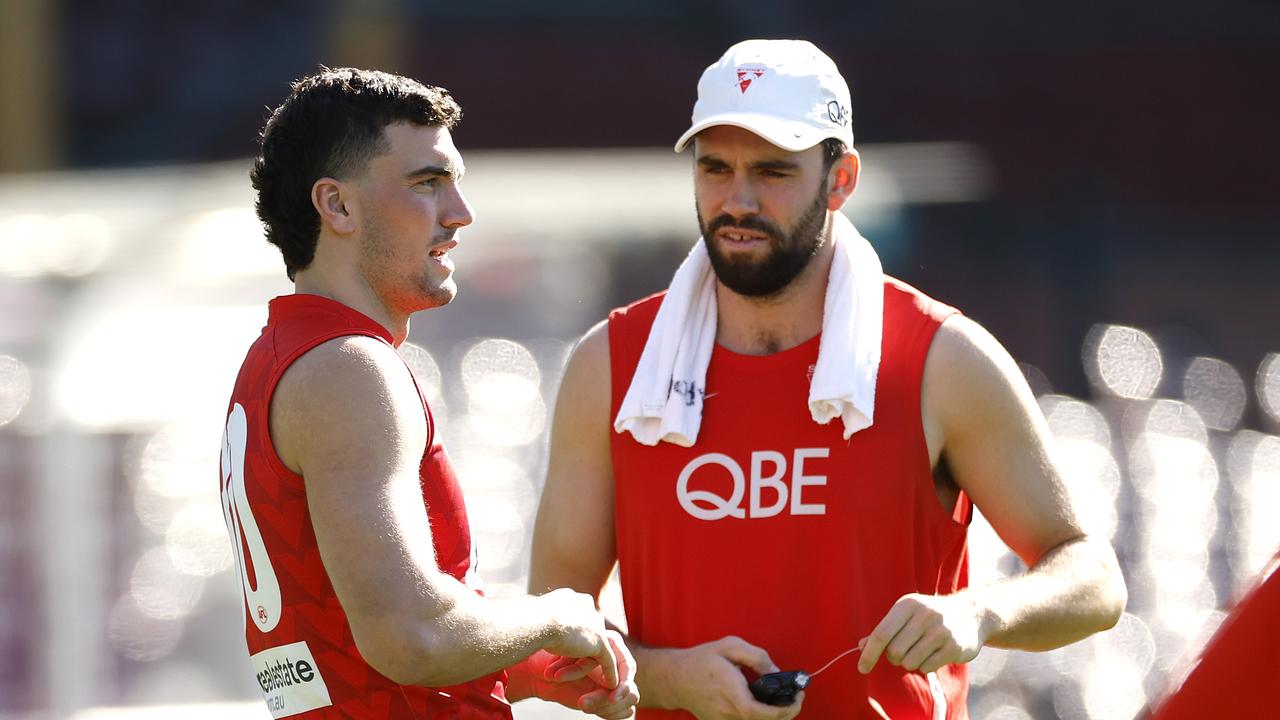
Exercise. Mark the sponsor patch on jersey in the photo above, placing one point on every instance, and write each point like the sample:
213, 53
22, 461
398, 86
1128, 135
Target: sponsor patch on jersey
290, 680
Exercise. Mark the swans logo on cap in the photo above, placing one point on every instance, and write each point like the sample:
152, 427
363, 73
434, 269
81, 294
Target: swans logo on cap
747, 73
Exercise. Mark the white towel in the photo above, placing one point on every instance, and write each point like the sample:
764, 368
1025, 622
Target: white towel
664, 401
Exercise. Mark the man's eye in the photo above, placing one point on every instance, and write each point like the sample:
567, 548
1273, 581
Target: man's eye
773, 173
429, 182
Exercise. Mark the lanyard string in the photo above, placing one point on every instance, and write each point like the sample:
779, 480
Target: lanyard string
833, 660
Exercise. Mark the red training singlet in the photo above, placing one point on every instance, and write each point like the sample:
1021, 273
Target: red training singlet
778, 530
300, 644
1237, 674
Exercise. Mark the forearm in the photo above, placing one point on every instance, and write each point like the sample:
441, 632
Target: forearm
1075, 590
464, 637
654, 673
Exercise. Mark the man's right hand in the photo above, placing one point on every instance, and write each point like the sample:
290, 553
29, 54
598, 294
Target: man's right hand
581, 633
707, 681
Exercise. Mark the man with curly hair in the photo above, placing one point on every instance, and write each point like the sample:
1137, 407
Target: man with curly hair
347, 521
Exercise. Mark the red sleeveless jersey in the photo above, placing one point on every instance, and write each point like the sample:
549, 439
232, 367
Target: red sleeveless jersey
778, 530
300, 644
1237, 674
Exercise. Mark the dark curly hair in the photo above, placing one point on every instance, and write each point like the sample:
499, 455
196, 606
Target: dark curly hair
331, 125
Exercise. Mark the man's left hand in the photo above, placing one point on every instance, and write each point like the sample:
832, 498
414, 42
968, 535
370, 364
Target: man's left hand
924, 632
577, 683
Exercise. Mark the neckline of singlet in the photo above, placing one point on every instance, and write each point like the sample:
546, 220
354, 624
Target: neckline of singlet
805, 352
304, 301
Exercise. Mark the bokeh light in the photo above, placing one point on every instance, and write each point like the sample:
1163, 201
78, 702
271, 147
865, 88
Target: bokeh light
498, 356
1216, 391
989, 558
503, 386
1122, 361
15, 388
140, 636
70, 244
991, 700
1268, 386
79, 245
498, 528
19, 243
987, 666
1114, 688
160, 590
176, 460
196, 540
1008, 712
170, 471
1253, 465
225, 242
425, 370
500, 497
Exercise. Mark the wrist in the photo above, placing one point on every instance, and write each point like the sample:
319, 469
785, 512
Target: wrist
987, 620
659, 677
551, 627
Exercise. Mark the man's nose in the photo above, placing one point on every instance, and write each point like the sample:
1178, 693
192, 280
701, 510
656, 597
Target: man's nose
741, 199
458, 212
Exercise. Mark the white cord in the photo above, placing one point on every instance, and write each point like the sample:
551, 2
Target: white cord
834, 659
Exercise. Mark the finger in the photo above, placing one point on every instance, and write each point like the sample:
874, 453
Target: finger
569, 694
741, 652
749, 708
598, 703
555, 665
879, 638
929, 642
576, 670
592, 701
940, 658
912, 634
626, 663
608, 663
619, 706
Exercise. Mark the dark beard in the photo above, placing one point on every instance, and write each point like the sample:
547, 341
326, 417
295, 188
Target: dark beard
790, 253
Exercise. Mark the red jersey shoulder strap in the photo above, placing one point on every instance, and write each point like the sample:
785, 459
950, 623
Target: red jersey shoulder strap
628, 331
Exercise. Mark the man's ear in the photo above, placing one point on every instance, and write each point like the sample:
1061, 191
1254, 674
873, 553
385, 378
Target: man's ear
842, 179
332, 200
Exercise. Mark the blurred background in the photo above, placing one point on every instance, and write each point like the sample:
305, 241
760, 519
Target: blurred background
1095, 184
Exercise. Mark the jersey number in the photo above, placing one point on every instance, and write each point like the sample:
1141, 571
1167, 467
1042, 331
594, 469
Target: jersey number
262, 599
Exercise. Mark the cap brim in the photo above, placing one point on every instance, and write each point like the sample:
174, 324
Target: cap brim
789, 135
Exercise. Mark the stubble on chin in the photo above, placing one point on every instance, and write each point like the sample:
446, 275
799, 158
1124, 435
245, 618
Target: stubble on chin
436, 295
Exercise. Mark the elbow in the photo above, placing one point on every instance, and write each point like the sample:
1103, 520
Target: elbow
405, 651
1113, 593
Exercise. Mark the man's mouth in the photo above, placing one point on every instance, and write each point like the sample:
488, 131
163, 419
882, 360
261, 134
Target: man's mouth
737, 235
443, 249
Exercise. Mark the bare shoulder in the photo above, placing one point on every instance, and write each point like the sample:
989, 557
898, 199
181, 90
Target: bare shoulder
967, 371
588, 370
354, 389
961, 344
592, 350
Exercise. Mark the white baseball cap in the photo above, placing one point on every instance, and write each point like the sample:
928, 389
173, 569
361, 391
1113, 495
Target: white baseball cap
786, 91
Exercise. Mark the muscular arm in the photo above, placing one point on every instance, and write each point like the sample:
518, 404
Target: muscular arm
574, 547
981, 419
573, 536
346, 416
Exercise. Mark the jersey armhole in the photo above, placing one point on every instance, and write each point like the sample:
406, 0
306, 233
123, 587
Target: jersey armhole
960, 514
264, 427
